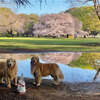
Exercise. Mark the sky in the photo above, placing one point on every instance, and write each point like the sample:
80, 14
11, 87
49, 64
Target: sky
49, 7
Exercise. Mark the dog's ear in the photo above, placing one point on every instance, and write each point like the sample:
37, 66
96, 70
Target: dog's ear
37, 59
32, 59
14, 62
7, 61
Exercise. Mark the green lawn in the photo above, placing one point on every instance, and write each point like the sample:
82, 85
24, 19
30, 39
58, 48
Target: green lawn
47, 44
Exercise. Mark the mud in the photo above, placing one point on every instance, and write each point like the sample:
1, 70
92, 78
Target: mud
48, 91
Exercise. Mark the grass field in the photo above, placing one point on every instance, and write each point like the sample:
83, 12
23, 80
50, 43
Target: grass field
47, 44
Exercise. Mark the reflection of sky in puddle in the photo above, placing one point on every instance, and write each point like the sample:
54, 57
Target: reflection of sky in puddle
70, 74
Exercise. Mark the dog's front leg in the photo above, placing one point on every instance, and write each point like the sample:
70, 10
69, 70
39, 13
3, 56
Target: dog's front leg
2, 80
38, 79
35, 78
8, 82
15, 81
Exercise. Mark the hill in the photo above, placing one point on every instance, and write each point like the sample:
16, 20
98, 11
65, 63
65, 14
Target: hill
88, 17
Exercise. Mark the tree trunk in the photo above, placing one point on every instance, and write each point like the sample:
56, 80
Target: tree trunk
96, 8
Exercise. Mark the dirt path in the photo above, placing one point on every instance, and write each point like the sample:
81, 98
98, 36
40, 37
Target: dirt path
22, 50
48, 91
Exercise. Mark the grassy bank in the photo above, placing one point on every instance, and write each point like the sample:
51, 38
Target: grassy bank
47, 44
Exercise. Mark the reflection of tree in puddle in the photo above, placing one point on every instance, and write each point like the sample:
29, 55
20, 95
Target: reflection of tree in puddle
57, 57
61, 57
86, 60
16, 56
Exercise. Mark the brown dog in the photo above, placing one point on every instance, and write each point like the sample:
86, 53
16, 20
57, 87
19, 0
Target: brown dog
8, 71
39, 69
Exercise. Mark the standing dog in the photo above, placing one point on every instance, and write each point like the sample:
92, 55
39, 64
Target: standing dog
39, 69
8, 71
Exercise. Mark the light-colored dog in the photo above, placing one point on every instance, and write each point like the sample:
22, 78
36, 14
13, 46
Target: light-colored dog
8, 71
40, 69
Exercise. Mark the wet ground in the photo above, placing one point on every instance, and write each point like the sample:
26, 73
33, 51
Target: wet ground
48, 91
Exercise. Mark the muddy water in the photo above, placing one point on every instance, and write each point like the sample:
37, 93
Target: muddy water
76, 67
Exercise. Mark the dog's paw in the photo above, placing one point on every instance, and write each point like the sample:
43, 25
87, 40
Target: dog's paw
56, 83
34, 83
8, 86
38, 84
16, 84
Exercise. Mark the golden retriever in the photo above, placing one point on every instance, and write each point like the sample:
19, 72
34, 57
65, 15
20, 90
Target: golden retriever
8, 71
40, 69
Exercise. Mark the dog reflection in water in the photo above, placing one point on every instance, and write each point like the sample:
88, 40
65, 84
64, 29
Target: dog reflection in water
44, 69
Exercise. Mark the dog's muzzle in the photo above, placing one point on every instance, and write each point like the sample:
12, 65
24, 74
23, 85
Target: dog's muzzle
9, 65
32, 62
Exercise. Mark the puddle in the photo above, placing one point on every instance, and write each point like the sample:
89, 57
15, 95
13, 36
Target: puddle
76, 67
70, 74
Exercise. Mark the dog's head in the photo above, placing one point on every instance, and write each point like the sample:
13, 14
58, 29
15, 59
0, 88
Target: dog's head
34, 60
11, 63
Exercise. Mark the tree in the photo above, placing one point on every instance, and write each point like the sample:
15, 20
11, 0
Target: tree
57, 25
88, 17
28, 28
96, 4
97, 7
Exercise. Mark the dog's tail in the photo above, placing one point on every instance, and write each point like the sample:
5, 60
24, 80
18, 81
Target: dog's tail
61, 76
